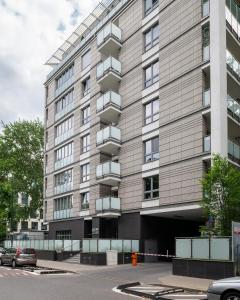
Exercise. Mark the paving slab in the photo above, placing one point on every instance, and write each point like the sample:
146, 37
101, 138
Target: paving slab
186, 282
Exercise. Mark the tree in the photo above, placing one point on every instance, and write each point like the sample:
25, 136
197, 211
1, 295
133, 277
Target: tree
21, 168
221, 195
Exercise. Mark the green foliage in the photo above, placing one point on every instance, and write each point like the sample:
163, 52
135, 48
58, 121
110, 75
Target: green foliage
221, 196
21, 169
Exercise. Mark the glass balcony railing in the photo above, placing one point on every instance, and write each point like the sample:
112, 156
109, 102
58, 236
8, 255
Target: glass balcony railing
64, 111
108, 204
62, 214
233, 19
207, 98
63, 188
66, 85
207, 144
234, 152
110, 30
110, 64
233, 65
108, 169
107, 99
110, 133
205, 8
233, 108
64, 162
64, 136
206, 53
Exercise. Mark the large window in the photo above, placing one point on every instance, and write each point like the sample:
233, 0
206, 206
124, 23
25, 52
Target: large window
64, 235
85, 200
151, 149
63, 178
63, 203
34, 225
206, 42
151, 112
86, 86
65, 76
151, 187
64, 101
24, 199
151, 37
150, 5
85, 172
85, 143
24, 225
151, 74
86, 115
86, 59
64, 127
64, 152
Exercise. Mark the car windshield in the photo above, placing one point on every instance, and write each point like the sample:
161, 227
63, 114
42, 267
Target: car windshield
28, 251
11, 250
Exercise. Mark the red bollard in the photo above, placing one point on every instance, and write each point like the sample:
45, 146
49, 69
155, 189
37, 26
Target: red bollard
134, 259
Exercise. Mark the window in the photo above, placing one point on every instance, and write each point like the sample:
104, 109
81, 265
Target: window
41, 213
150, 5
151, 74
151, 37
63, 178
64, 127
151, 187
151, 149
85, 172
64, 235
34, 226
46, 92
86, 59
47, 114
151, 111
64, 152
85, 200
46, 184
45, 209
24, 199
206, 42
86, 143
64, 102
63, 203
86, 86
46, 160
33, 215
24, 225
86, 115
46, 137
65, 76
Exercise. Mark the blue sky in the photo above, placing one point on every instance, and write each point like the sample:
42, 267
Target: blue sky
30, 31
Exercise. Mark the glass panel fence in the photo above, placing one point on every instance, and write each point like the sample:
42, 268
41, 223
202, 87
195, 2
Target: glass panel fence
107, 98
135, 246
200, 248
117, 245
93, 246
127, 245
115, 203
103, 245
183, 248
220, 248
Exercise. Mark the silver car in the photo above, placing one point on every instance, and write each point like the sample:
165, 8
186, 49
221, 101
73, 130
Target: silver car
225, 289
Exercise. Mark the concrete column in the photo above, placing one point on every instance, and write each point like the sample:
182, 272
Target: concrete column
219, 131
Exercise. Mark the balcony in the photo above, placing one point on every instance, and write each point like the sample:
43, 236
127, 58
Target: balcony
109, 40
64, 136
109, 140
64, 111
108, 207
63, 188
207, 98
207, 144
206, 53
234, 152
109, 74
233, 108
62, 214
232, 22
233, 65
63, 162
108, 173
109, 107
66, 85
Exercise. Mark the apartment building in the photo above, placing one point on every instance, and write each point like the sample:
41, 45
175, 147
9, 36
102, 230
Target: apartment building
140, 97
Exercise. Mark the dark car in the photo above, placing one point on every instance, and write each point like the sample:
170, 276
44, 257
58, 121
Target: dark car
225, 289
18, 257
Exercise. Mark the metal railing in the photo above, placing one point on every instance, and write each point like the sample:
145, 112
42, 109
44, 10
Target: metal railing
109, 133
110, 64
234, 152
110, 30
107, 99
233, 108
108, 169
233, 21
233, 65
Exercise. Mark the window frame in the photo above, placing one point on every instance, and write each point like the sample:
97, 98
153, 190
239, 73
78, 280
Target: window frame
151, 191
152, 153
86, 55
154, 41
154, 78
85, 148
85, 197
86, 86
153, 6
153, 114
86, 119
85, 172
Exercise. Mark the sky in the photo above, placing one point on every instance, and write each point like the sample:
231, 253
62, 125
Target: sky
30, 32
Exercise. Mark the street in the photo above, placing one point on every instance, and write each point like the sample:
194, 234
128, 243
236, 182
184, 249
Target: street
91, 284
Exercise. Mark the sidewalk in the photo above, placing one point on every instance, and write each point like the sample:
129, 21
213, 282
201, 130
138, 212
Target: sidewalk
186, 282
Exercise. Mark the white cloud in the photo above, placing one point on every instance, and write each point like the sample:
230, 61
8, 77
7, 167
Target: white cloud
30, 32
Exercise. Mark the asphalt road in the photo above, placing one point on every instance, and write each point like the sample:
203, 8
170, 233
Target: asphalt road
89, 285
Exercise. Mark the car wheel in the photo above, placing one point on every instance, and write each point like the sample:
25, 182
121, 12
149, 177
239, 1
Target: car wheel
1, 262
231, 296
13, 264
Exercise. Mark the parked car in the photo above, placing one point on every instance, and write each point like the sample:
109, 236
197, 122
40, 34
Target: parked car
18, 257
225, 289
1, 251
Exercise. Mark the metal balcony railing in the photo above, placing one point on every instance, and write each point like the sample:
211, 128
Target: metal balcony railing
233, 108
107, 99
233, 65
110, 133
108, 169
110, 30
110, 64
234, 152
233, 20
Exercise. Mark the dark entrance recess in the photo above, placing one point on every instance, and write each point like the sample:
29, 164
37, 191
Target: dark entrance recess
87, 229
105, 228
